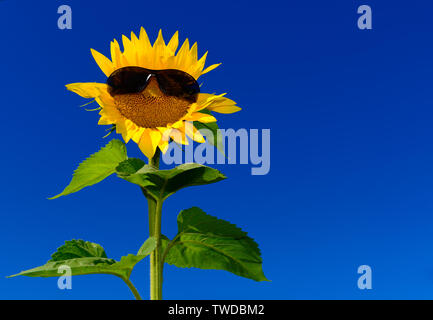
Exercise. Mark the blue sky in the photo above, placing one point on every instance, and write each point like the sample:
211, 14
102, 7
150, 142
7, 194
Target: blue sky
350, 113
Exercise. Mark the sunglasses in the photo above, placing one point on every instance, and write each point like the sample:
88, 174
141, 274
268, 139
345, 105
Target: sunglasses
172, 82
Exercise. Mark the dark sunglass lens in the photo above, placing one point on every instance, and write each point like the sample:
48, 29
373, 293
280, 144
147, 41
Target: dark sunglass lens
178, 83
128, 80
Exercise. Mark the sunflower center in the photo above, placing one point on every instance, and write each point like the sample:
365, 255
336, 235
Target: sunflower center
151, 108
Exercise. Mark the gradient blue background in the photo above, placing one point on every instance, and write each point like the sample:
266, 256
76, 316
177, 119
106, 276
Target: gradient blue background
350, 114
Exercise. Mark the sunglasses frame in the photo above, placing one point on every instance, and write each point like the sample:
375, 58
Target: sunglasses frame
172, 82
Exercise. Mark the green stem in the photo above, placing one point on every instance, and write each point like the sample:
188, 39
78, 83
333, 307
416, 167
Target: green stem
133, 289
155, 212
158, 253
126, 280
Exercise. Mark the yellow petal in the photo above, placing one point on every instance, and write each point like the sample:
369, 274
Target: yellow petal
210, 68
178, 136
144, 39
103, 62
115, 54
134, 39
201, 117
109, 109
104, 121
193, 53
218, 103
121, 128
199, 66
158, 52
129, 51
137, 135
155, 137
143, 48
225, 109
174, 42
159, 40
87, 89
149, 140
190, 63
205, 99
202, 61
189, 129
181, 56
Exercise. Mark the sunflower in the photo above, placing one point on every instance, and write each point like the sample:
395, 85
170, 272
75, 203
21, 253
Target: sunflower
151, 95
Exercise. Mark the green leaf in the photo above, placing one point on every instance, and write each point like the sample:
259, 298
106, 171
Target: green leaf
206, 242
160, 184
85, 257
97, 167
216, 138
78, 249
148, 246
